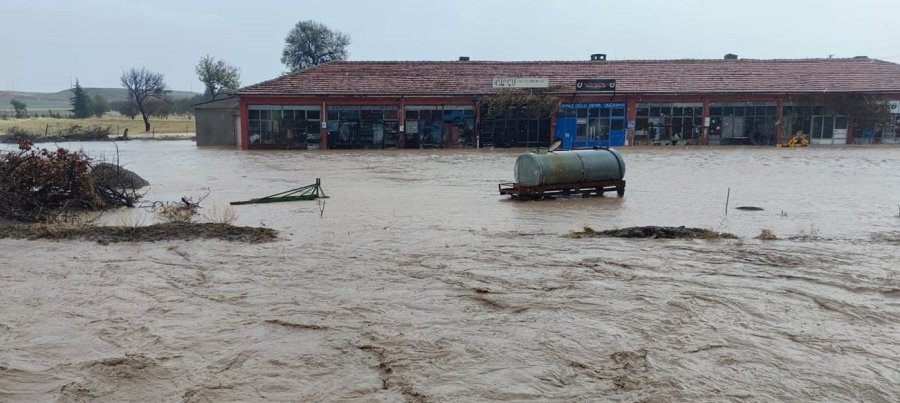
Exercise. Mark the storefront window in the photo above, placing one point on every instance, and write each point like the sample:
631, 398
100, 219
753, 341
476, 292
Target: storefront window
818, 123
595, 124
438, 126
362, 126
742, 123
283, 126
656, 123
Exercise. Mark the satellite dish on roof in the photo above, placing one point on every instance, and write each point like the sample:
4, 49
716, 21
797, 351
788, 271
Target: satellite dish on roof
555, 146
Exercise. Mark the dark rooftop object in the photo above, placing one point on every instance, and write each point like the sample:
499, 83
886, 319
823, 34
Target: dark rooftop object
409, 78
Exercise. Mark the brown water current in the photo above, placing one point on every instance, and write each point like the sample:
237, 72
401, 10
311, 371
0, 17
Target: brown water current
418, 282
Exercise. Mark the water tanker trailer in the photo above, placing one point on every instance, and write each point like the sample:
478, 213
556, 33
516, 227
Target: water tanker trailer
585, 172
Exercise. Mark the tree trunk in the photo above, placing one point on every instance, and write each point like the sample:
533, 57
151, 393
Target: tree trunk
146, 123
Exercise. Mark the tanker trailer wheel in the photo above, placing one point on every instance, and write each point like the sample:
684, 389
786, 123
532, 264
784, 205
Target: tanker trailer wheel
620, 190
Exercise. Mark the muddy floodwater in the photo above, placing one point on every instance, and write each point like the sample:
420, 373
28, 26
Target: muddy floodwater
416, 281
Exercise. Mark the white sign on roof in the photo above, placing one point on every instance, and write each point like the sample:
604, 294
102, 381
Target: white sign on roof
521, 82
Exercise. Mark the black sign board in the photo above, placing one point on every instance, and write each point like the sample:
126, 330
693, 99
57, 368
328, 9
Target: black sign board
596, 85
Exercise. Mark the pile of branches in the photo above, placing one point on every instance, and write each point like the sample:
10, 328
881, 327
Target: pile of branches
39, 185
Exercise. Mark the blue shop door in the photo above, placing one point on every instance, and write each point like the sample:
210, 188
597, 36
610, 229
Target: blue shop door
565, 132
617, 133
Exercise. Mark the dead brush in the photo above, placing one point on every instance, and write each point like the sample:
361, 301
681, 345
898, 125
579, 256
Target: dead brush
131, 221
183, 212
766, 235
221, 215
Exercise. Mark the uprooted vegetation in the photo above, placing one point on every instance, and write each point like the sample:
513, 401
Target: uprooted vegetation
652, 231
54, 191
39, 185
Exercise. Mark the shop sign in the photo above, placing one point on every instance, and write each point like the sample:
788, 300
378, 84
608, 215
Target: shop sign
520, 82
595, 85
599, 105
895, 107
412, 126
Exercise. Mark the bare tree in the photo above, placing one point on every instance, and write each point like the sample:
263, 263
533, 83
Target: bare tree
218, 76
142, 86
312, 43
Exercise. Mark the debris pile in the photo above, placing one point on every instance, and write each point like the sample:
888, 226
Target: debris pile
652, 231
39, 185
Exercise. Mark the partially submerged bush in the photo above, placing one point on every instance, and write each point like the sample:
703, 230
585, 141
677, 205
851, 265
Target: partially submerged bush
182, 212
39, 185
225, 215
767, 235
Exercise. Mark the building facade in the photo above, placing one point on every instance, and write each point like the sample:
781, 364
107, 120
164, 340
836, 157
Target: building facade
217, 123
731, 101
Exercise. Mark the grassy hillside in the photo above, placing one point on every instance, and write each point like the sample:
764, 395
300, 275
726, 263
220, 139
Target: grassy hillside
41, 101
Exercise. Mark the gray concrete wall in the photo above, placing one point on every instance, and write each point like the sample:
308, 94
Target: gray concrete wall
216, 127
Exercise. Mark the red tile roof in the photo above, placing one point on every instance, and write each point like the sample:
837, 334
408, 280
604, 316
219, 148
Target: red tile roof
633, 76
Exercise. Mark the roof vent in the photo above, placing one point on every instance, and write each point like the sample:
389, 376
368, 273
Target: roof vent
731, 56
598, 57
464, 58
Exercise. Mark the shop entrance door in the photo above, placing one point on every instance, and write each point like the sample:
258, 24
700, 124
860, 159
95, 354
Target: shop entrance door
565, 132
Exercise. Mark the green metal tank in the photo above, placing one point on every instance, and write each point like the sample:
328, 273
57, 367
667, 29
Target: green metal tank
563, 167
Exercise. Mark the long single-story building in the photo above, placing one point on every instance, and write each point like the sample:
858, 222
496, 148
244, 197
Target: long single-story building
598, 102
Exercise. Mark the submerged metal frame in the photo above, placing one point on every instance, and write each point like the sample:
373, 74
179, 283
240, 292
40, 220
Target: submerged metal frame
309, 192
586, 189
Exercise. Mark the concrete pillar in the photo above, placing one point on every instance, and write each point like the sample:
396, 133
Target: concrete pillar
324, 130
779, 117
704, 132
401, 116
245, 125
477, 123
630, 116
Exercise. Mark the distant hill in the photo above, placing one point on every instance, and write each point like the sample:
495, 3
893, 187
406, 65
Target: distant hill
41, 101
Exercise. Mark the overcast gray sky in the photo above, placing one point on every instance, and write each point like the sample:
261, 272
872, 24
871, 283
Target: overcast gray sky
49, 42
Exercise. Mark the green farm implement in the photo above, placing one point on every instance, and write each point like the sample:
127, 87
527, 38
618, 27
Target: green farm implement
309, 192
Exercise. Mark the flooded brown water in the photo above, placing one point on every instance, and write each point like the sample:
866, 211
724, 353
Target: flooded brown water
419, 282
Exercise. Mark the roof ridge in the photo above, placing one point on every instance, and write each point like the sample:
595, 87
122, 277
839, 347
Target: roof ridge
634, 76
808, 59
